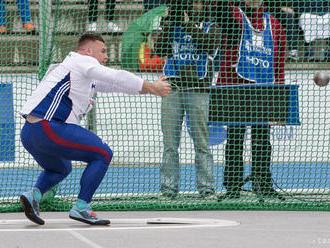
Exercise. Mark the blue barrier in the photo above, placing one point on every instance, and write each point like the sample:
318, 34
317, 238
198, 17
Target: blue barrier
7, 123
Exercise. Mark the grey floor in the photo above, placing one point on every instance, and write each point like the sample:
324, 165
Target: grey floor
190, 229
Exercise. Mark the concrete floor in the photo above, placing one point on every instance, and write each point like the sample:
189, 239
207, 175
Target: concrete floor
193, 229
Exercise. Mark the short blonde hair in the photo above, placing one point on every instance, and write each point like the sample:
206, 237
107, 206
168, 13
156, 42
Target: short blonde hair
85, 38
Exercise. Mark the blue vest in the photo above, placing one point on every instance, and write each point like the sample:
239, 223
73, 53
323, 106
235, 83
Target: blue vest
186, 52
256, 54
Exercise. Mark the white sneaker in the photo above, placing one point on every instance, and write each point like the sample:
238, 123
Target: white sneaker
91, 27
293, 54
113, 27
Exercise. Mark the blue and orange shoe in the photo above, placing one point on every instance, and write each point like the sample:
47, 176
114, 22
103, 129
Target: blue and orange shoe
31, 207
28, 27
3, 29
87, 216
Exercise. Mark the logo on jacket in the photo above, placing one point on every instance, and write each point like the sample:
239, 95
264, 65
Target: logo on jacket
257, 45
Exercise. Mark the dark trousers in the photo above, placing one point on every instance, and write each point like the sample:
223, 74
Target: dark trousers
93, 10
261, 156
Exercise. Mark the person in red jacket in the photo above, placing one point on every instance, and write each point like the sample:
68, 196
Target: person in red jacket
253, 52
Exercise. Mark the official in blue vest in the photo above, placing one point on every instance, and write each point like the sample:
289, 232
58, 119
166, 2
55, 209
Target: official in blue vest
189, 40
254, 53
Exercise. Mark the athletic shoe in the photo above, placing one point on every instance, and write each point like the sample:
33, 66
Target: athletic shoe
168, 195
270, 193
31, 207
208, 195
231, 194
87, 216
113, 27
91, 27
28, 27
293, 54
3, 29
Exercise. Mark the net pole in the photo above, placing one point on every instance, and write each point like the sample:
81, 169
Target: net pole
45, 17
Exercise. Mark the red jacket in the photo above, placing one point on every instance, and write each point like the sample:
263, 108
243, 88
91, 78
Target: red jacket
228, 73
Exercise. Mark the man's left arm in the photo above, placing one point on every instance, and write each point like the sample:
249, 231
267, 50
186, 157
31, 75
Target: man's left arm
208, 42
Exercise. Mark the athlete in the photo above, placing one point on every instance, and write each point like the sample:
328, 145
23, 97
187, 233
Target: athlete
254, 52
51, 133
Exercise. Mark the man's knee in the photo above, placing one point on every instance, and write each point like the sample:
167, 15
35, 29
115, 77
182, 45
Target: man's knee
108, 154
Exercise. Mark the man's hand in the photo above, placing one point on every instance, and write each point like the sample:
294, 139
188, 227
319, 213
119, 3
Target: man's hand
186, 18
288, 10
160, 87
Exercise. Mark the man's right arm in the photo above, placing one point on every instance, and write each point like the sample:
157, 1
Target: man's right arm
162, 46
112, 80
